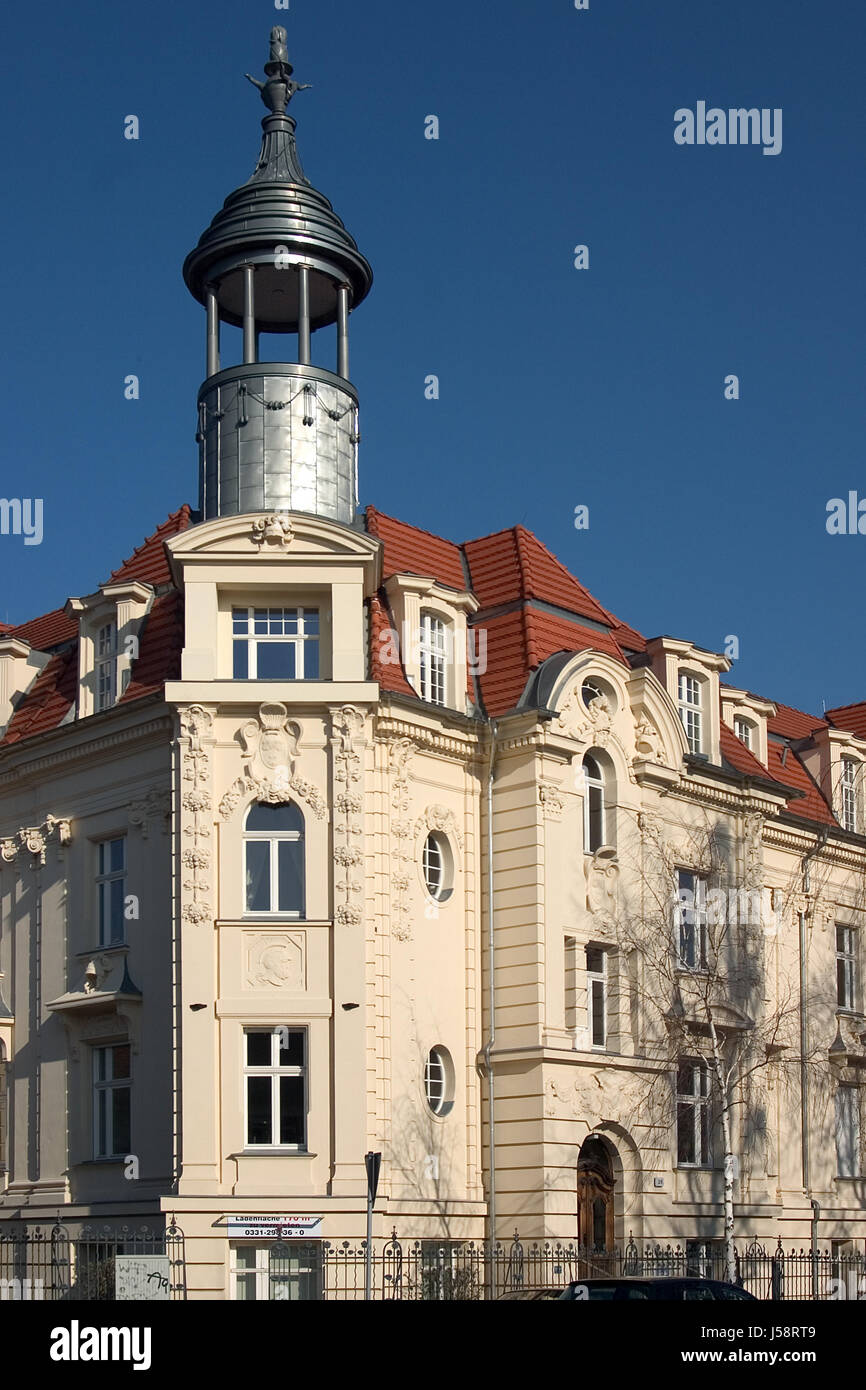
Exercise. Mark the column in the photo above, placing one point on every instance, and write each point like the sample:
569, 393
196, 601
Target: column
249, 315
304, 314
213, 332
343, 332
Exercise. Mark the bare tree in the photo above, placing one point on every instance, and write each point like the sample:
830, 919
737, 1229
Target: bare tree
710, 1001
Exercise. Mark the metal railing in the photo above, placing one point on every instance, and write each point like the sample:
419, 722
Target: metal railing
47, 1263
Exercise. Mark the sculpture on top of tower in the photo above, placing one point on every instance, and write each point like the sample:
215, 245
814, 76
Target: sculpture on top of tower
279, 89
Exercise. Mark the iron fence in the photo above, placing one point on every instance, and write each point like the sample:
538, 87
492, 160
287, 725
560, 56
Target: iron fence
431, 1270
42, 1263
52, 1264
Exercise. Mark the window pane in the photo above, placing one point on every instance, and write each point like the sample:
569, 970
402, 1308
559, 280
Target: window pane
291, 871
311, 660
291, 1110
311, 621
116, 853
240, 620
275, 660
685, 1134
272, 819
259, 1108
241, 661
259, 1049
116, 888
594, 960
101, 1122
245, 1288
841, 984
596, 818
597, 1013
258, 855
120, 1061
245, 1257
293, 1055
121, 1098
260, 621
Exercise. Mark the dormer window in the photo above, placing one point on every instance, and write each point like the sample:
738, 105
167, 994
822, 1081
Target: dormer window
433, 653
275, 643
691, 710
848, 794
105, 663
745, 730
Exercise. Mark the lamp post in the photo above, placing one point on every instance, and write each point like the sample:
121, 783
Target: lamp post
372, 1162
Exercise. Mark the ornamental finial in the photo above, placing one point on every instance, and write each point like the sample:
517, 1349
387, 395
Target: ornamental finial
279, 89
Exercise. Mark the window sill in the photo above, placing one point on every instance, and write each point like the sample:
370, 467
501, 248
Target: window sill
273, 1151
118, 1160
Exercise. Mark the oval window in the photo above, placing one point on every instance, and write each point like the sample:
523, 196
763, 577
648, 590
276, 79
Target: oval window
439, 1080
437, 866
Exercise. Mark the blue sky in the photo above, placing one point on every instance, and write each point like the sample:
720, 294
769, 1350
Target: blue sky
558, 387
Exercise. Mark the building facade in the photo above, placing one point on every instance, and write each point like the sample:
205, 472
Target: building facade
322, 835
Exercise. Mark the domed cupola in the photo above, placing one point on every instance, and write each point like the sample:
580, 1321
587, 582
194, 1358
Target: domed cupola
278, 435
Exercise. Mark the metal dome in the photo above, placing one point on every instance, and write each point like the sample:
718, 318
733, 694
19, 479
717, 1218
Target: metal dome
273, 221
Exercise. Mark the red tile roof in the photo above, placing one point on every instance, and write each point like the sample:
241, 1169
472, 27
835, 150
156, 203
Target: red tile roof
48, 699
389, 672
51, 630
148, 561
514, 564
160, 645
518, 642
813, 806
738, 755
408, 550
793, 723
851, 718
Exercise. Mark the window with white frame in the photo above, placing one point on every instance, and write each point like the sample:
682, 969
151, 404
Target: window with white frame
595, 813
433, 655
848, 794
693, 1114
596, 996
846, 967
570, 981
111, 890
275, 644
439, 1080
744, 729
691, 711
437, 865
691, 920
105, 666
287, 1270
112, 1101
274, 859
848, 1137
275, 1085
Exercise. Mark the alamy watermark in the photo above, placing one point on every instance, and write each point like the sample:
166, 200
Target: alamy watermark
22, 516
731, 907
736, 126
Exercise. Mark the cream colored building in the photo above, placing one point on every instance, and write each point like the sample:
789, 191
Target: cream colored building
268, 795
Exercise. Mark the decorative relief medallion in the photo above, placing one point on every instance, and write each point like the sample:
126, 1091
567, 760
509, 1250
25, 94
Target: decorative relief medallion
35, 839
347, 725
276, 960
587, 722
196, 725
401, 752
754, 850
273, 531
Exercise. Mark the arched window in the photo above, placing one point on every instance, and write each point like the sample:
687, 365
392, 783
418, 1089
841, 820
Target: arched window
433, 654
595, 808
274, 859
439, 1080
745, 730
848, 794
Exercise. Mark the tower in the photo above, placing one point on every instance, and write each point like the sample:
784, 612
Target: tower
277, 435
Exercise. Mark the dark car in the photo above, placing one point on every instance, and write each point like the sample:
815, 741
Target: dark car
618, 1290
533, 1295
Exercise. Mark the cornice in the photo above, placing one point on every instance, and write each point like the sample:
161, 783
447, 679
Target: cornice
451, 743
84, 749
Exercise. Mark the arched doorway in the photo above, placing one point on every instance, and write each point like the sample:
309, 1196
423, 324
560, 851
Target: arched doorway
596, 1188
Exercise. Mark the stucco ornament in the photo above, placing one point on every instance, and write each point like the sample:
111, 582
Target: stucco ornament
273, 530
196, 725
35, 839
347, 728
440, 818
602, 884
551, 799
271, 745
154, 806
647, 740
400, 754
95, 973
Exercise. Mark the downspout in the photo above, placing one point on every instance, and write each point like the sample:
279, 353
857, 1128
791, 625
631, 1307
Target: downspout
491, 1005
